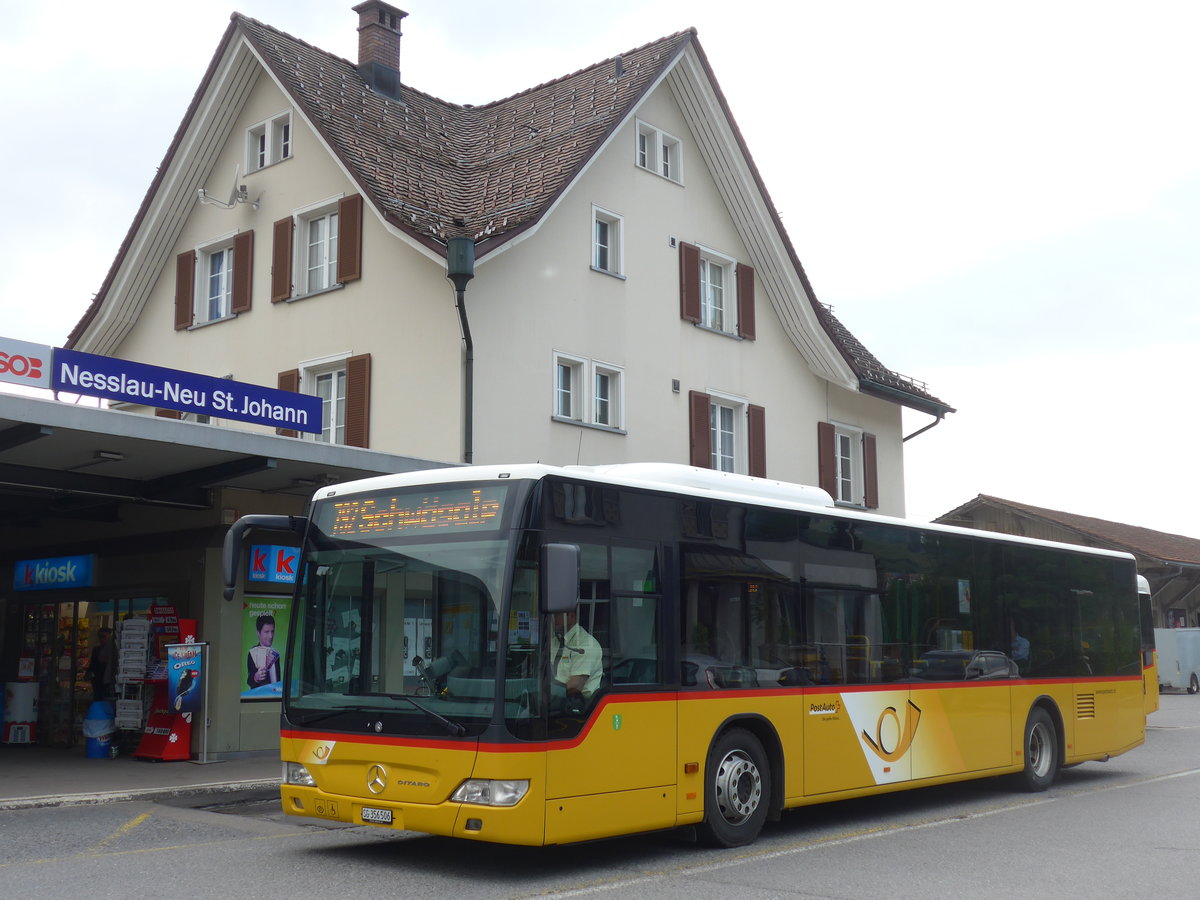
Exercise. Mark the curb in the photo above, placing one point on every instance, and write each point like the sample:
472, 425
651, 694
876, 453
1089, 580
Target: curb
98, 797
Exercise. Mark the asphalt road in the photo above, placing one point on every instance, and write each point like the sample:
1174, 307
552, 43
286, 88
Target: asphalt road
1126, 828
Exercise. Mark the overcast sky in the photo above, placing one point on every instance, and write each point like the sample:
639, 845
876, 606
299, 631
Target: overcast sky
1000, 200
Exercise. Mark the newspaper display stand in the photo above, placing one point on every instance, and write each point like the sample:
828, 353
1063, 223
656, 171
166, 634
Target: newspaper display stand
134, 643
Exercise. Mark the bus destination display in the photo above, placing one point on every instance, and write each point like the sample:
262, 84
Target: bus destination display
447, 511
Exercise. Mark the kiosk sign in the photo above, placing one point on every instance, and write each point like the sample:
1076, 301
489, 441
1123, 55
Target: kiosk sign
273, 563
120, 379
53, 573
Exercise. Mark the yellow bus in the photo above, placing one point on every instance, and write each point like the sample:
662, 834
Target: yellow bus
1150, 683
538, 655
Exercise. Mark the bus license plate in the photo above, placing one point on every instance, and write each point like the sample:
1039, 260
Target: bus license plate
377, 816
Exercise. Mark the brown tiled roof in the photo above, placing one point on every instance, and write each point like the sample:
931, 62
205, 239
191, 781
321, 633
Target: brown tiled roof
876, 378
438, 170
1175, 548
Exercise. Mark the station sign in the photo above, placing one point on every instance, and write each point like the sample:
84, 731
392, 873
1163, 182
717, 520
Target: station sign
24, 363
74, 372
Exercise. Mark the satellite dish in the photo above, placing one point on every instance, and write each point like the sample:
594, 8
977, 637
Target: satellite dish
236, 194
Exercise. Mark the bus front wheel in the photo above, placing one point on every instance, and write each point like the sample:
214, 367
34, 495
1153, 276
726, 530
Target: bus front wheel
1041, 751
737, 790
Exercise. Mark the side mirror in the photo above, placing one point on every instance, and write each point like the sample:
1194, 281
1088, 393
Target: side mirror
560, 577
231, 550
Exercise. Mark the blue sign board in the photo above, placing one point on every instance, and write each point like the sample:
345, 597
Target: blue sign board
273, 564
54, 573
119, 379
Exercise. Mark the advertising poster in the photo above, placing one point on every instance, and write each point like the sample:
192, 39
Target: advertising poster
265, 622
185, 677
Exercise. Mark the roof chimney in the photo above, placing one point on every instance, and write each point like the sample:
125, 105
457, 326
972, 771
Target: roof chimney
379, 46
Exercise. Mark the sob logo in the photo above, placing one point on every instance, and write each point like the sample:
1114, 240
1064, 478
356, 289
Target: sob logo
904, 732
21, 366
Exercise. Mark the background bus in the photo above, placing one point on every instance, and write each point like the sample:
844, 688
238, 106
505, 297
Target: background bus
756, 649
1150, 677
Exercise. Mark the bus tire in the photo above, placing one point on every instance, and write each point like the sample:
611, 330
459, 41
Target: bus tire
737, 790
1041, 750
1194, 684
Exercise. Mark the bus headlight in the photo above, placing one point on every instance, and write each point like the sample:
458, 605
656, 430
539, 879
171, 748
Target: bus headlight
486, 792
294, 773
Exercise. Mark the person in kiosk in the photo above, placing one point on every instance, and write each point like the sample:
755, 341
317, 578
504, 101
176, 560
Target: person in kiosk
102, 667
577, 663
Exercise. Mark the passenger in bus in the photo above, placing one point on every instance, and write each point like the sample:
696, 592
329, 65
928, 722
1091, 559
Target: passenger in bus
1020, 646
578, 663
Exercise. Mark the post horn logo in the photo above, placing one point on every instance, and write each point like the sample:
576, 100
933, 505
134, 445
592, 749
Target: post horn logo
907, 731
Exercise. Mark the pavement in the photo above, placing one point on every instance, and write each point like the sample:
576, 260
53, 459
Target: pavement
34, 776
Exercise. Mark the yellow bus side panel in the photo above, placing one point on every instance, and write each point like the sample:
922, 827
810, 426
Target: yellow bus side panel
1150, 684
968, 730
604, 815
628, 744
1109, 718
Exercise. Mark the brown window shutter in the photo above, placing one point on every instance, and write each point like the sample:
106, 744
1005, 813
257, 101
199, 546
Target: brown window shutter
281, 259
243, 271
185, 289
826, 461
288, 381
870, 473
350, 216
168, 413
358, 400
745, 301
689, 282
756, 426
700, 429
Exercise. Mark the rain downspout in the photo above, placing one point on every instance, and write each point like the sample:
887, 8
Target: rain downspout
935, 422
460, 268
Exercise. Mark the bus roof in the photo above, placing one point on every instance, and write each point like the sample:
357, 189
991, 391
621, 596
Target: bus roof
690, 481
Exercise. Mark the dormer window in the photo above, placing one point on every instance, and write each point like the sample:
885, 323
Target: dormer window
659, 152
269, 142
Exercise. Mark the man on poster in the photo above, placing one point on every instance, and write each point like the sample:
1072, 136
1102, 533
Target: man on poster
262, 662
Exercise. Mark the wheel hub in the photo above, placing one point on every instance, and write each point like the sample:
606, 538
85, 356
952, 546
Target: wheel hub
739, 787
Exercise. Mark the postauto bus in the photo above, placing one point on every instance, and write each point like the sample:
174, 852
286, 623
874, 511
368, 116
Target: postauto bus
752, 648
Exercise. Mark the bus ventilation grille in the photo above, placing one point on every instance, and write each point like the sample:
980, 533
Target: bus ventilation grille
1085, 706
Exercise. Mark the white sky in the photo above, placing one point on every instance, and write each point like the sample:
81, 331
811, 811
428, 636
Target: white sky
1001, 200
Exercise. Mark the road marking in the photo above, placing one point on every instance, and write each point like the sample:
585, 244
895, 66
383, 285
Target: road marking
172, 848
838, 840
123, 830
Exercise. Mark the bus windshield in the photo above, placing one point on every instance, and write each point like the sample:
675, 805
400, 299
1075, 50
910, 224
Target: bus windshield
397, 613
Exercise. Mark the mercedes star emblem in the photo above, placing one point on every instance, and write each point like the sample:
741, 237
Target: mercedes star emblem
376, 779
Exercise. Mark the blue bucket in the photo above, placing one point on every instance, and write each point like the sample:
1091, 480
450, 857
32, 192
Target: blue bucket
98, 727
98, 748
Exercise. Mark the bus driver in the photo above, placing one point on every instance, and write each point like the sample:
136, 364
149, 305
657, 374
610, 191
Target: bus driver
578, 662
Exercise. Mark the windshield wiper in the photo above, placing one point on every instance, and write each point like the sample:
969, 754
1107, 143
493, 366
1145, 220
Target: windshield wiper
449, 724
336, 712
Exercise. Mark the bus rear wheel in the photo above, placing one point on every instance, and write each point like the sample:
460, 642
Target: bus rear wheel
1194, 684
1042, 760
737, 790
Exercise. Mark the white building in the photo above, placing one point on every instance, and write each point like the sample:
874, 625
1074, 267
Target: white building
635, 296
